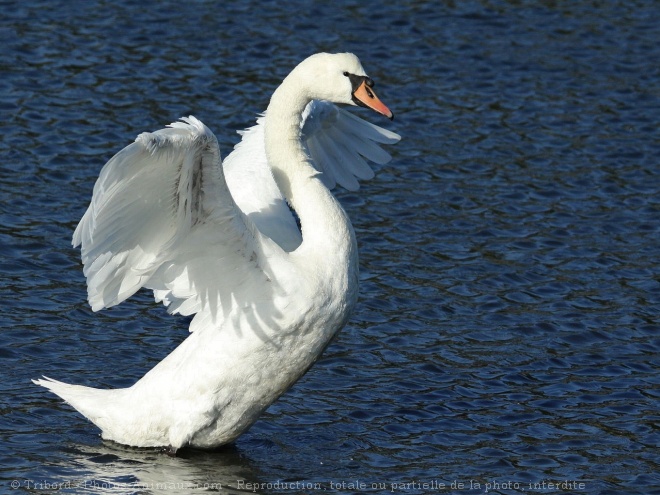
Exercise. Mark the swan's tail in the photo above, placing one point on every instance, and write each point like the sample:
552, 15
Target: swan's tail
93, 403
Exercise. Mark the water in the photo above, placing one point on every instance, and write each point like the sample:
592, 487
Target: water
507, 335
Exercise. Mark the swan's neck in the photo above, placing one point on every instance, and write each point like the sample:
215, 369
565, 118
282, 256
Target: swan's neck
286, 157
325, 227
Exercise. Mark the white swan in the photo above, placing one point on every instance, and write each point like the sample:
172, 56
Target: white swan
218, 241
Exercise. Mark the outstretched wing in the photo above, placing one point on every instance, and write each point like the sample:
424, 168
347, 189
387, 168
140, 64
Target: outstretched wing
338, 143
162, 217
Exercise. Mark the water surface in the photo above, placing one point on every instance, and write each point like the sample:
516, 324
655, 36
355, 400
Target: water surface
507, 335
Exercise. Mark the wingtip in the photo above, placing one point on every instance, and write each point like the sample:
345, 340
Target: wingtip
44, 381
392, 137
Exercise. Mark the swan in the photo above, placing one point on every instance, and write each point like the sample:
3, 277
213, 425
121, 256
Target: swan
268, 288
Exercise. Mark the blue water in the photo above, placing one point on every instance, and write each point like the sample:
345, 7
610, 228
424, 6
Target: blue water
507, 335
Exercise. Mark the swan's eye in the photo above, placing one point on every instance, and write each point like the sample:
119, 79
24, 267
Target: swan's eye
346, 74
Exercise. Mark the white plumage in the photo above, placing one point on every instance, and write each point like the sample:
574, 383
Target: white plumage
218, 241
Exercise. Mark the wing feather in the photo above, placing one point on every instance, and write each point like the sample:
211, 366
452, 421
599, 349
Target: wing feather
162, 217
337, 140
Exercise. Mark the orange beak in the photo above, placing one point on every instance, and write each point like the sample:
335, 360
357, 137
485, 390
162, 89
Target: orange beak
364, 95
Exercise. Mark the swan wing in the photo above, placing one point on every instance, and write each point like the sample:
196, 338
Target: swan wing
339, 145
162, 217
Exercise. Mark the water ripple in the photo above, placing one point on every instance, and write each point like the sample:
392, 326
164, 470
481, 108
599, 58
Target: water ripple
507, 330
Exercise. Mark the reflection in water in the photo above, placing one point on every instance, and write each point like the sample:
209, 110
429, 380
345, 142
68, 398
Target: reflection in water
116, 469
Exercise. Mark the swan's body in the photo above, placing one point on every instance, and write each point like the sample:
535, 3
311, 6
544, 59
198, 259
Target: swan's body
267, 298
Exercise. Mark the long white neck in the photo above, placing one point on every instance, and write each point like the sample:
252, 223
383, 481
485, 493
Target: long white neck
328, 236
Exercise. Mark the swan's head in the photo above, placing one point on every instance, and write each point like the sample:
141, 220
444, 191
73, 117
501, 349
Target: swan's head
340, 78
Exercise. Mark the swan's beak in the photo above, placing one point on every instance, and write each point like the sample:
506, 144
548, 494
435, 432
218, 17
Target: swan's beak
364, 96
